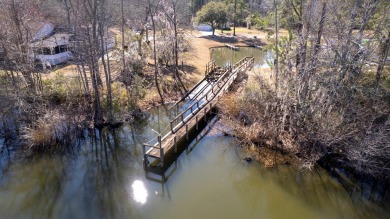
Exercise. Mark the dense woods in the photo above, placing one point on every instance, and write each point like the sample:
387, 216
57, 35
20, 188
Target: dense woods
93, 96
327, 99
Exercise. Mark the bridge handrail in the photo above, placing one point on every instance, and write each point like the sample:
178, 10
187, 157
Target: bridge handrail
210, 66
202, 106
197, 102
227, 70
205, 96
188, 92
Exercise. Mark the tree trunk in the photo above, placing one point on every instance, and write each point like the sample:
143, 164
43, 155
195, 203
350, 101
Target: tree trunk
106, 73
67, 9
384, 52
154, 54
346, 47
276, 66
123, 36
98, 115
235, 17
174, 20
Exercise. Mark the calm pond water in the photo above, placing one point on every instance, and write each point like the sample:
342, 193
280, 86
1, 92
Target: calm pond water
102, 176
221, 55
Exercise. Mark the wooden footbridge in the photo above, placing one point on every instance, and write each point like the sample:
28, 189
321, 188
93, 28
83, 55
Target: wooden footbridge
201, 99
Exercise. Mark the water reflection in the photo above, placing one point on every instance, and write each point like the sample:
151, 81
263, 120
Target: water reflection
222, 55
103, 177
140, 193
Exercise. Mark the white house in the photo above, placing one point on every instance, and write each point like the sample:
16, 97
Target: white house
43, 30
52, 50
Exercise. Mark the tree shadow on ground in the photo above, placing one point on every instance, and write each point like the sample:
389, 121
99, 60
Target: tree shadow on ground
237, 39
170, 70
221, 39
252, 41
188, 69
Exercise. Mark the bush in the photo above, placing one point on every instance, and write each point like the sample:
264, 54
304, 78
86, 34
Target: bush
60, 89
259, 22
49, 130
350, 124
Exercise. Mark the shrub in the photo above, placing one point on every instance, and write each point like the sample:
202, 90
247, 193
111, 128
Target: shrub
49, 130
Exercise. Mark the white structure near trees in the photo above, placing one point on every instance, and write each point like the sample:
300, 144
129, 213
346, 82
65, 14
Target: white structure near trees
205, 27
54, 49
48, 48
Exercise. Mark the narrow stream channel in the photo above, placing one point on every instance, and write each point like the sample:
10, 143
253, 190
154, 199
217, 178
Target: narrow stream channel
102, 177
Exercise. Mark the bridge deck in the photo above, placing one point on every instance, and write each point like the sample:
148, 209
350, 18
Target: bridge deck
203, 98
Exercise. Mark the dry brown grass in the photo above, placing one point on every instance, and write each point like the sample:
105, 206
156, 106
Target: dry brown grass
49, 130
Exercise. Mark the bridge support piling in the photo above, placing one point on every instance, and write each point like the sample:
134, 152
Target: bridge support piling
161, 150
187, 131
175, 143
162, 157
205, 112
196, 122
171, 123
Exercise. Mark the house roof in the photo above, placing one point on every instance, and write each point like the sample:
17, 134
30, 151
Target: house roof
58, 39
41, 30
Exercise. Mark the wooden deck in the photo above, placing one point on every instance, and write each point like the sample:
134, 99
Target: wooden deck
204, 96
232, 47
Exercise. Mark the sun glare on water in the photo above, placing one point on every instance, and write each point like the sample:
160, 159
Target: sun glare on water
140, 193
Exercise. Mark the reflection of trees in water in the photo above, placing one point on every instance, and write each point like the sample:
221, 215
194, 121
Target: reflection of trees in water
313, 189
35, 189
107, 172
321, 191
7, 152
92, 177
224, 54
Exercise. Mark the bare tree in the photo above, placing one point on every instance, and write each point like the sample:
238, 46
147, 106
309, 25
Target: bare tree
171, 8
153, 6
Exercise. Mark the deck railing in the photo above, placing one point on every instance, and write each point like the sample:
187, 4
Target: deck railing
199, 108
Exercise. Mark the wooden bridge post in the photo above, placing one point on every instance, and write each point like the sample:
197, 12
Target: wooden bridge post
205, 113
162, 157
144, 150
175, 143
171, 123
196, 122
159, 140
161, 150
187, 131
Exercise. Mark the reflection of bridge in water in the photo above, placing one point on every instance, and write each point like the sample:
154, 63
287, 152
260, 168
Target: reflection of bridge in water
193, 117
